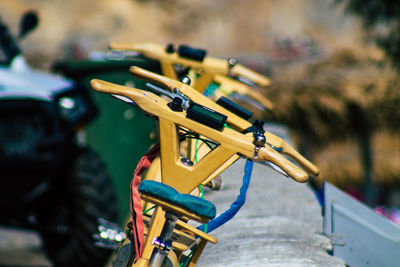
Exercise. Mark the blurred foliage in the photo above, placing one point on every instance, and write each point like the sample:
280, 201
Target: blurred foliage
256, 29
331, 103
382, 17
336, 98
339, 161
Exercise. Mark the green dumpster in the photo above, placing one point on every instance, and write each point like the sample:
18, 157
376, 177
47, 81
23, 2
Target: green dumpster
120, 133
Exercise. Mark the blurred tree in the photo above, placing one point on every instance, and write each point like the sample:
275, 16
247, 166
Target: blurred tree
382, 16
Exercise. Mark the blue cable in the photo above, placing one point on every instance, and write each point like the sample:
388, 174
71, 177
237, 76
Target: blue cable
236, 205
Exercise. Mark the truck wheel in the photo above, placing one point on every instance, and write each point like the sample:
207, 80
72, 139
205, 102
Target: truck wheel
89, 195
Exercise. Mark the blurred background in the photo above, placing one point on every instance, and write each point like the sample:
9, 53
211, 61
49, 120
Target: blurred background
333, 79
262, 30
333, 67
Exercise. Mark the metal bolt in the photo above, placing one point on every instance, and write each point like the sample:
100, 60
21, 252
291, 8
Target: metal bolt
160, 245
232, 62
187, 161
259, 140
185, 80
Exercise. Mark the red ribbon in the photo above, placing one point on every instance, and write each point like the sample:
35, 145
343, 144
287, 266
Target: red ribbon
136, 206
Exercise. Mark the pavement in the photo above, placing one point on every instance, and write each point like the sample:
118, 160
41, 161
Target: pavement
21, 248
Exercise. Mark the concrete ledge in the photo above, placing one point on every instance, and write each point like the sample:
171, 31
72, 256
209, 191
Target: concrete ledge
279, 225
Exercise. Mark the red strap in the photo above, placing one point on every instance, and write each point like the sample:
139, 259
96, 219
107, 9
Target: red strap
136, 206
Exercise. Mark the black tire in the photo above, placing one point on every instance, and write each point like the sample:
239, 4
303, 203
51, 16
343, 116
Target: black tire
90, 195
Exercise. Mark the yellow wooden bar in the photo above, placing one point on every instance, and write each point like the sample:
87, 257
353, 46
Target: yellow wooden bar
209, 64
233, 120
230, 141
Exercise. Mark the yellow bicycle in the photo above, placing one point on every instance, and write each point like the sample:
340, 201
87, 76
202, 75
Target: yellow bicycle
211, 76
190, 114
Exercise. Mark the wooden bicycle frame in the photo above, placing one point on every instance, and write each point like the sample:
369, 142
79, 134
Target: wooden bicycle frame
230, 141
186, 178
210, 70
233, 120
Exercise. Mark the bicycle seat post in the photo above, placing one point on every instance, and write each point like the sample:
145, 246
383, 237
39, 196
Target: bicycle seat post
163, 243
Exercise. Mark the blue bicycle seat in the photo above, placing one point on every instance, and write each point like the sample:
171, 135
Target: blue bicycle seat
191, 203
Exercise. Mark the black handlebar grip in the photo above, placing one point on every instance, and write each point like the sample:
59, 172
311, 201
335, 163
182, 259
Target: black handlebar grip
235, 108
192, 53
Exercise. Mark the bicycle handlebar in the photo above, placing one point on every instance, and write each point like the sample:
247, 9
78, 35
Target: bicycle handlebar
227, 85
208, 64
229, 138
235, 121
